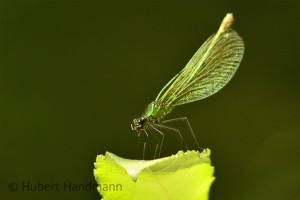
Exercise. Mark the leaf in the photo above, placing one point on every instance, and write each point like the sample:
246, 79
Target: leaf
186, 175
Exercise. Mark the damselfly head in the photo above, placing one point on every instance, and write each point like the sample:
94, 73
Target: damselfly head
138, 124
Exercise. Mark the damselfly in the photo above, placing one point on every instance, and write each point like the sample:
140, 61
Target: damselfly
210, 69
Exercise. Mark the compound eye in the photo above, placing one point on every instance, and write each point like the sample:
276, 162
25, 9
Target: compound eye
142, 120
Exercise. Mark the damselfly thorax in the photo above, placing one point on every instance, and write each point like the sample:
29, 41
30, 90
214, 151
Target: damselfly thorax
153, 114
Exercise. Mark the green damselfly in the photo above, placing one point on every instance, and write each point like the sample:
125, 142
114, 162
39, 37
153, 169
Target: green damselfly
210, 69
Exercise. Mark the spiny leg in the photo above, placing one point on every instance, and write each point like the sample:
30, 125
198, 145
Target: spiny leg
162, 138
176, 130
157, 142
139, 136
189, 126
145, 143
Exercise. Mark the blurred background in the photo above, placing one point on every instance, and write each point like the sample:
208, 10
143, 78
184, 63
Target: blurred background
73, 74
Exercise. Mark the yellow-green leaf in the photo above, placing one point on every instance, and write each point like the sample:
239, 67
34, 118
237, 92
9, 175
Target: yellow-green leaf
186, 175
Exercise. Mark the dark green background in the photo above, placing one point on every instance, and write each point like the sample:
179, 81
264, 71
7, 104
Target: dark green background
74, 74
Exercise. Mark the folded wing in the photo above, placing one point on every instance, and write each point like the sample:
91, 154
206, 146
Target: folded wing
209, 70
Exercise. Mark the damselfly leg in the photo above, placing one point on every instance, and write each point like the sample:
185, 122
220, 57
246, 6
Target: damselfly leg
158, 134
184, 119
145, 136
182, 141
159, 142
